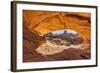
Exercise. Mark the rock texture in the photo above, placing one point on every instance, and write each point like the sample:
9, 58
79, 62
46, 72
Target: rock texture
38, 23
46, 21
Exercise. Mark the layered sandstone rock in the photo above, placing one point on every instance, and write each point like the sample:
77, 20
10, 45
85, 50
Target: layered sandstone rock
38, 23
45, 21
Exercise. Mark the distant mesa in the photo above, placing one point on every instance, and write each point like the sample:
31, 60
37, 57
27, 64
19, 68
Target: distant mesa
64, 36
62, 33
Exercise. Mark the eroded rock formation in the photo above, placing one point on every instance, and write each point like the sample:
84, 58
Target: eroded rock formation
38, 23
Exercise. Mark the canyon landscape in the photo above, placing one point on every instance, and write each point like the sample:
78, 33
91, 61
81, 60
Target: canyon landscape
56, 36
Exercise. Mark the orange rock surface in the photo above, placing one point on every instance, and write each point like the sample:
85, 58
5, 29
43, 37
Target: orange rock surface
46, 21
37, 23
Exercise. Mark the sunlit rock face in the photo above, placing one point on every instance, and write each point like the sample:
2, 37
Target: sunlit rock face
72, 40
44, 22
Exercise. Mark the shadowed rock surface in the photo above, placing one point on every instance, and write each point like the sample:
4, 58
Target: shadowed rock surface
38, 23
31, 44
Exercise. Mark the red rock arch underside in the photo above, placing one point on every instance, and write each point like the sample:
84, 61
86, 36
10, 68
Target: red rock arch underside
42, 22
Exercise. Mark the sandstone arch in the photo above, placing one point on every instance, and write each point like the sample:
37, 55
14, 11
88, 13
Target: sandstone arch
43, 22
37, 23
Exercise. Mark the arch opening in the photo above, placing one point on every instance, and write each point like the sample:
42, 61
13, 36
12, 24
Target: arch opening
64, 37
60, 40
